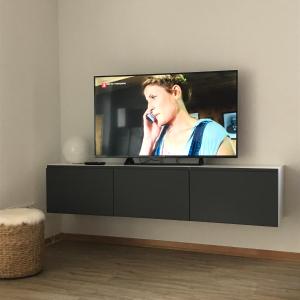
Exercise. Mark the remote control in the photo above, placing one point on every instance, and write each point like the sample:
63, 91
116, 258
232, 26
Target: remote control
94, 163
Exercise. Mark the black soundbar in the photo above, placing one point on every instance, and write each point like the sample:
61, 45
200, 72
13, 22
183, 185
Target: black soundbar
94, 163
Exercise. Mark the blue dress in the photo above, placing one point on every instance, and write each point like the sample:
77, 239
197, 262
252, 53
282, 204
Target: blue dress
205, 139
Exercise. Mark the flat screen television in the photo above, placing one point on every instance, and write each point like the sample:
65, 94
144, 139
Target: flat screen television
189, 114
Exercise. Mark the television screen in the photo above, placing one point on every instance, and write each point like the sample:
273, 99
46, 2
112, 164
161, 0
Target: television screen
170, 115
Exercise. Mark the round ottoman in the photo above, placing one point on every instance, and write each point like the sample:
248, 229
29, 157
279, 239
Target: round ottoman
21, 242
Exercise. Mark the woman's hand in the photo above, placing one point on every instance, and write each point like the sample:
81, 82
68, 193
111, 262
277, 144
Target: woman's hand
151, 133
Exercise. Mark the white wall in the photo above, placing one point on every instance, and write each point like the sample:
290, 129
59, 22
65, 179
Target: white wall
258, 37
29, 102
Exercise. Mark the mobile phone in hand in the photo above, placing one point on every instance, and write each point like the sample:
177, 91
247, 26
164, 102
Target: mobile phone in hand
150, 117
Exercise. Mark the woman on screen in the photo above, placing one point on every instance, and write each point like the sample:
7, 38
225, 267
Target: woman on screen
168, 127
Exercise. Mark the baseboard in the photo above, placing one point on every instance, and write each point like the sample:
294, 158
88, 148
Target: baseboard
209, 249
53, 239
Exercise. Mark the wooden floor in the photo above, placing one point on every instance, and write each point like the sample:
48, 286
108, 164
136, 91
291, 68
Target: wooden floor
82, 270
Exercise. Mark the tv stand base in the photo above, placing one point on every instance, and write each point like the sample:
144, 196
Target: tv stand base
163, 161
129, 161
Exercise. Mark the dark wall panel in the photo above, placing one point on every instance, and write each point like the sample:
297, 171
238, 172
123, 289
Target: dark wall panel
80, 190
241, 196
152, 192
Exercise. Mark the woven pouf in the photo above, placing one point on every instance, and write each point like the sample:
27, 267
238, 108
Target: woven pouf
21, 242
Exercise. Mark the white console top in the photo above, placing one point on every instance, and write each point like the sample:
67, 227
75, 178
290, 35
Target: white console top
175, 165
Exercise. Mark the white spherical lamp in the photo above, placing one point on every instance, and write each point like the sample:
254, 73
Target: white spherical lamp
75, 150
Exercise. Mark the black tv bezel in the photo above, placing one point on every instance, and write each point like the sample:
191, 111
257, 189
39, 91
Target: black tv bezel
170, 156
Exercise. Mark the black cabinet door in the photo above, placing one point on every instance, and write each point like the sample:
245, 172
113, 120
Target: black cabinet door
80, 190
238, 196
152, 192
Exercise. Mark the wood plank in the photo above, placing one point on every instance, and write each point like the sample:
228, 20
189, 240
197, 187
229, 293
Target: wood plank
76, 270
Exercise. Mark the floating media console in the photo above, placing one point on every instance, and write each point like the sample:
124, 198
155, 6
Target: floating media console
221, 194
